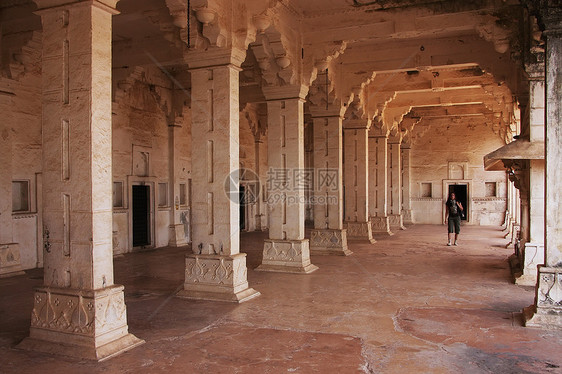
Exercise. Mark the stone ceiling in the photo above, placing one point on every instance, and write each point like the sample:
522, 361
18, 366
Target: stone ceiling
389, 52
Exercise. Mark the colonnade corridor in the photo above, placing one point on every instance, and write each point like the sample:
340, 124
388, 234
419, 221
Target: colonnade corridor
406, 304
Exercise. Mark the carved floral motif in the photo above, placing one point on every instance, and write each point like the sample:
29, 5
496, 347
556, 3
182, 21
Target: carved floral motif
380, 224
326, 238
358, 229
282, 251
216, 270
77, 313
550, 289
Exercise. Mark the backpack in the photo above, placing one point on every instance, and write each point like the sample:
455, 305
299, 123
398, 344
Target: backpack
453, 208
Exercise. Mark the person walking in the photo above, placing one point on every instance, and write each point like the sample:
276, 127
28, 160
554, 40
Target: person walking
453, 213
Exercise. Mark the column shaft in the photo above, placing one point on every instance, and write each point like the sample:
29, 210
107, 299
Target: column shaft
378, 185
216, 270
395, 184
547, 310
356, 172
286, 250
328, 236
261, 167
79, 311
177, 233
406, 171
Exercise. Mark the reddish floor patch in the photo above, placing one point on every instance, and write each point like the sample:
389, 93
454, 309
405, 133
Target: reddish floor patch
224, 348
489, 339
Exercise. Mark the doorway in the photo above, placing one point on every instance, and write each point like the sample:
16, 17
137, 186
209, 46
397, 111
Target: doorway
461, 193
141, 216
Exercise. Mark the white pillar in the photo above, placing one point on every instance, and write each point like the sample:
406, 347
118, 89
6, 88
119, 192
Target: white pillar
286, 250
356, 174
547, 310
378, 182
395, 182
533, 249
177, 234
328, 236
406, 171
79, 311
261, 167
216, 270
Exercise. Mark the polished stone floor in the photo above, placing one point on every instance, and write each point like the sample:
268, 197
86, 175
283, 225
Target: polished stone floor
407, 304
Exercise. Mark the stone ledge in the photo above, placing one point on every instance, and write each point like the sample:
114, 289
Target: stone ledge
238, 297
287, 269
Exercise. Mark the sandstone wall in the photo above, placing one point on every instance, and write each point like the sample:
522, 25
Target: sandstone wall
20, 108
451, 152
142, 112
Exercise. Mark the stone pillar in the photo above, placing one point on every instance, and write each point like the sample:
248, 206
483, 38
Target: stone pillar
177, 235
328, 236
378, 182
356, 174
10, 260
533, 248
507, 204
286, 250
516, 220
79, 311
261, 166
395, 182
406, 202
547, 310
215, 270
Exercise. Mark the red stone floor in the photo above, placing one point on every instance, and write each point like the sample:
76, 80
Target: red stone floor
407, 304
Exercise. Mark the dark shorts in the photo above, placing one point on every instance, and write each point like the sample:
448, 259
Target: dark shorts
454, 225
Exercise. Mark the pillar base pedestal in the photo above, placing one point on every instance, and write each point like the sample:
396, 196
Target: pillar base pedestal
10, 260
380, 226
329, 242
396, 222
89, 324
286, 256
359, 231
407, 217
547, 313
532, 256
217, 278
177, 235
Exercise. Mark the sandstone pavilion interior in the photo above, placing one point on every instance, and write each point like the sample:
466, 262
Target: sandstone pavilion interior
221, 181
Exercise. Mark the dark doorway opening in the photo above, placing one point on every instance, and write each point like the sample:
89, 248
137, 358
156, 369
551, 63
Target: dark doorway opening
141, 216
242, 205
461, 193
